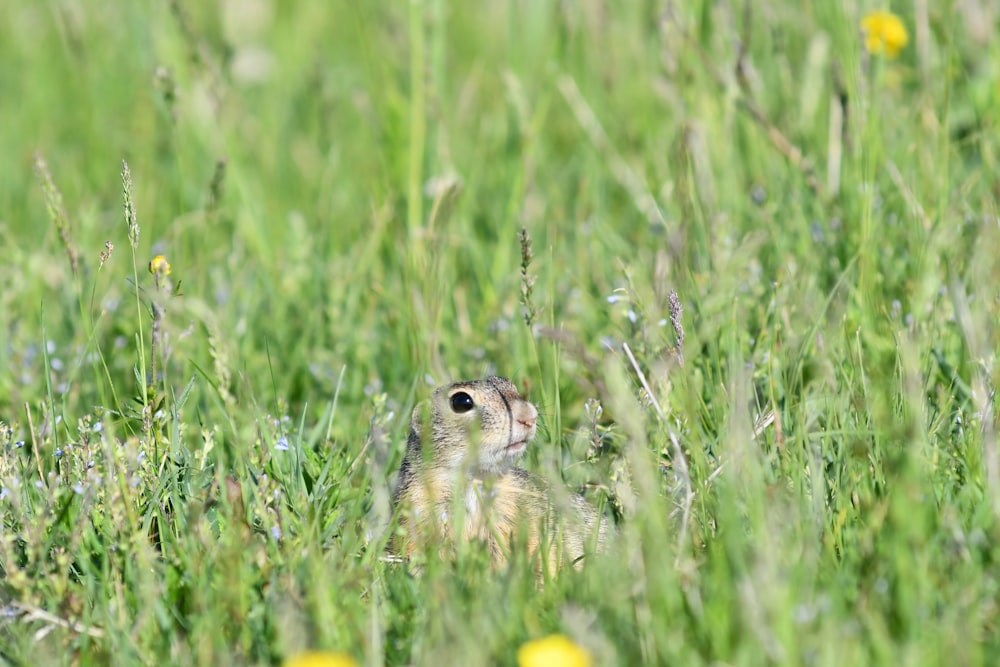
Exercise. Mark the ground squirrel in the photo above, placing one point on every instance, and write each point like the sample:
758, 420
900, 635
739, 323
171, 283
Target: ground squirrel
477, 432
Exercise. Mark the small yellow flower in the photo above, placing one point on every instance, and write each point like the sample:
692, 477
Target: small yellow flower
159, 264
553, 651
320, 659
884, 33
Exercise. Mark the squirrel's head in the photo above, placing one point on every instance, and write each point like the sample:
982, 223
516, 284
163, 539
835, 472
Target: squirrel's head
485, 423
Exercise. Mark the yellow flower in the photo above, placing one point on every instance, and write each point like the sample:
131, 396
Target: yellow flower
553, 651
884, 33
159, 264
320, 659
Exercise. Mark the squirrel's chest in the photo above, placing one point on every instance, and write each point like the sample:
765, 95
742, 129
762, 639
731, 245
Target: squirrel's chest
490, 507
471, 509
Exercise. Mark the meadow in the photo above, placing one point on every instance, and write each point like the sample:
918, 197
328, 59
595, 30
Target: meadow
743, 257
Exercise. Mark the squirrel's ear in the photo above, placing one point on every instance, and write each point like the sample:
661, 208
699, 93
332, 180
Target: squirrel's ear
419, 410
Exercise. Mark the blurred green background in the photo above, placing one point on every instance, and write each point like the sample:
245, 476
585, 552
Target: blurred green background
194, 465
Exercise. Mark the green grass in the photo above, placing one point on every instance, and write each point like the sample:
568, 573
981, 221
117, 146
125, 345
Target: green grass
326, 274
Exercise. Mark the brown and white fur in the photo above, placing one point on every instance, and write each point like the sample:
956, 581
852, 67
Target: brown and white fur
462, 465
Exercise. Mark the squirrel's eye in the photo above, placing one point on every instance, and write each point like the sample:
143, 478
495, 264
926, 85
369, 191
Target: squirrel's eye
462, 402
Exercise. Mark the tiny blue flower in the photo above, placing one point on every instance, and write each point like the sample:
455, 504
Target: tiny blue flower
59, 453
276, 533
19, 444
282, 444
